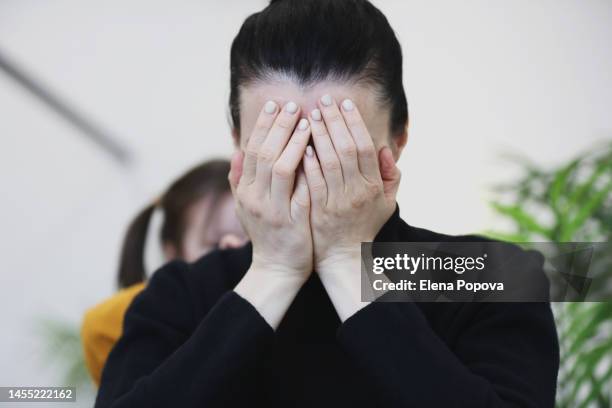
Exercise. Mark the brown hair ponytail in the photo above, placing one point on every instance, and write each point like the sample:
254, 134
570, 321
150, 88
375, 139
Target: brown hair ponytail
131, 264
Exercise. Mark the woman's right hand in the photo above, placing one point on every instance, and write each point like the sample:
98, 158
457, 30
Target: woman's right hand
273, 205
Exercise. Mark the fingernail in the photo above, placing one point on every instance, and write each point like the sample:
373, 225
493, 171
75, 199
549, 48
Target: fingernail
316, 115
348, 105
303, 125
327, 100
291, 107
309, 151
270, 107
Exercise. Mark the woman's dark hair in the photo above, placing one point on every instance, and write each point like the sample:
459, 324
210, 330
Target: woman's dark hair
315, 40
207, 179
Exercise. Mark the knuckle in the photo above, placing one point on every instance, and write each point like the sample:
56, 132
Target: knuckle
330, 165
334, 117
254, 210
297, 141
374, 189
285, 123
321, 134
354, 123
367, 152
281, 171
251, 151
301, 202
318, 187
261, 127
347, 150
276, 220
337, 211
358, 200
312, 174
266, 155
239, 201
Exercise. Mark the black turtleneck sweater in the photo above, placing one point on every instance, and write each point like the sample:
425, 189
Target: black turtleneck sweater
190, 341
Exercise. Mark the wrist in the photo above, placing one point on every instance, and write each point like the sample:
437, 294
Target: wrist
340, 274
270, 291
347, 258
342, 282
276, 275
275, 270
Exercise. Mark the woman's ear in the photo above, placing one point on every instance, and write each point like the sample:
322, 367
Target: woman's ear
236, 137
399, 142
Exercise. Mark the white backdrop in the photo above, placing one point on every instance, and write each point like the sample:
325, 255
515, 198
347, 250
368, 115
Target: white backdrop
482, 78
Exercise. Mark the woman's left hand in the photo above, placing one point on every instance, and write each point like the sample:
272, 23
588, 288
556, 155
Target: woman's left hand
352, 196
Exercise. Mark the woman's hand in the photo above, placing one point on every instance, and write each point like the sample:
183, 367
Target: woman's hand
273, 206
350, 203
351, 197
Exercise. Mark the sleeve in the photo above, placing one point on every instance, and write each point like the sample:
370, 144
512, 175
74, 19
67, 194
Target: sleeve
101, 328
166, 358
97, 341
506, 356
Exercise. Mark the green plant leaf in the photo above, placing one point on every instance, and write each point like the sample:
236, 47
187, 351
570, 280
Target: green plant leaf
523, 220
582, 209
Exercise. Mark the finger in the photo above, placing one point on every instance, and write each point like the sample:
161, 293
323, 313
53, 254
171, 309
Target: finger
340, 137
283, 173
366, 152
300, 202
327, 157
314, 177
262, 128
390, 173
236, 169
273, 146
231, 241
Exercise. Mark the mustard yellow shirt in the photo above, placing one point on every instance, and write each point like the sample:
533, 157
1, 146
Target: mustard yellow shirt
102, 327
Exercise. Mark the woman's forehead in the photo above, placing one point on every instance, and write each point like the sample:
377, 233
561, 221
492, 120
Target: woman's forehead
254, 96
283, 91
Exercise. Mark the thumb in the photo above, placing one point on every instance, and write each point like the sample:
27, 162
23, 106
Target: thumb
389, 173
235, 169
231, 241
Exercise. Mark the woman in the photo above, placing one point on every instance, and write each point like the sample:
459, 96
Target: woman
280, 322
194, 216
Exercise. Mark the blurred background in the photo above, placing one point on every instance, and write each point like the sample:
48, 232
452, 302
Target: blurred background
149, 84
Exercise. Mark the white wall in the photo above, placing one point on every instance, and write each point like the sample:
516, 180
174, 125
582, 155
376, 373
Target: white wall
482, 78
